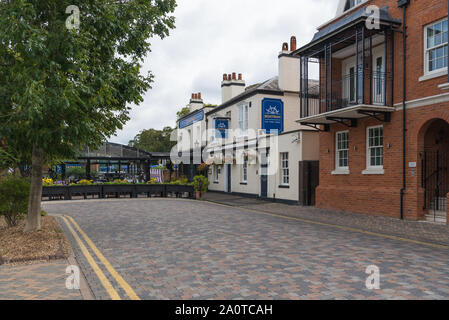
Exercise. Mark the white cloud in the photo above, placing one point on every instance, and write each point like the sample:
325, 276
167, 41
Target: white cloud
213, 37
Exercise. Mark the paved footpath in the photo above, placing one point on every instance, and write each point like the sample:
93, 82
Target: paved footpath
36, 281
181, 249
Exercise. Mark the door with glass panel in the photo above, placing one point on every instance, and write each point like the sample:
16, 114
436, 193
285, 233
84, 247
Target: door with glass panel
378, 79
350, 96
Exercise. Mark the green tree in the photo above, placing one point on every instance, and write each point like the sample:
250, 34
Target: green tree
64, 87
14, 192
182, 113
153, 140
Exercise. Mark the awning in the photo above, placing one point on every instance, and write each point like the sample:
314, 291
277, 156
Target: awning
349, 114
352, 19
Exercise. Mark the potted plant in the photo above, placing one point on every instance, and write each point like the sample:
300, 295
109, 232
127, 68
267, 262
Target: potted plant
200, 185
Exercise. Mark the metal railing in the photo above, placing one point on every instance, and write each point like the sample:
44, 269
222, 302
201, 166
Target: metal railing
347, 91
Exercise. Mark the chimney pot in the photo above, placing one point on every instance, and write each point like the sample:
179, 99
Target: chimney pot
234, 76
199, 95
285, 46
193, 96
240, 76
229, 77
293, 43
225, 77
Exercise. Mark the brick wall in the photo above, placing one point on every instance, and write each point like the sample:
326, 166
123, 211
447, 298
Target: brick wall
380, 194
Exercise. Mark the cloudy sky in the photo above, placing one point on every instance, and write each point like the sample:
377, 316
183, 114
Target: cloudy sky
213, 37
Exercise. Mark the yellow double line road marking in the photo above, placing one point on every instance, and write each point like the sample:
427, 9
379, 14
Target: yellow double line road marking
103, 279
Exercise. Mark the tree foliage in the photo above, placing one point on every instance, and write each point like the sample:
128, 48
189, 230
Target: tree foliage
153, 140
64, 89
14, 193
182, 113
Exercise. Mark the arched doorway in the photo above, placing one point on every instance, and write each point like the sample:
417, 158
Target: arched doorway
434, 143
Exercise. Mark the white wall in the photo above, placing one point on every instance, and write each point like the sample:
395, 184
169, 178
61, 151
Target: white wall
305, 148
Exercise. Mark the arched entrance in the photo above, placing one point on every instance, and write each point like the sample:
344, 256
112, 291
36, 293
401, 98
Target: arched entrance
434, 146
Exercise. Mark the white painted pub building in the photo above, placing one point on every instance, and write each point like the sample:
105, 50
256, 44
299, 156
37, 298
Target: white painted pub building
253, 145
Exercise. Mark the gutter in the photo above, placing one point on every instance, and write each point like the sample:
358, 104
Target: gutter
404, 4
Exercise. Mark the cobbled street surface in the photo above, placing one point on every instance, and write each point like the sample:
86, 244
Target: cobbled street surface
36, 281
181, 249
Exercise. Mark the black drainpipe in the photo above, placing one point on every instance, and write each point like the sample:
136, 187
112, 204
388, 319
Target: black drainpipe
404, 4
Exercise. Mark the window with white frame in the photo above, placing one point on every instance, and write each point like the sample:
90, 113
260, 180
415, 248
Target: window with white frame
342, 150
243, 118
436, 46
352, 3
285, 171
216, 171
375, 157
244, 172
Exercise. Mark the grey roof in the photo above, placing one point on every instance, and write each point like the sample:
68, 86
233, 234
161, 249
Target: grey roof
359, 15
269, 86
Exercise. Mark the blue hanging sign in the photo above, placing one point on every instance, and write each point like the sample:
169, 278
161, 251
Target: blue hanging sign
272, 115
221, 128
199, 116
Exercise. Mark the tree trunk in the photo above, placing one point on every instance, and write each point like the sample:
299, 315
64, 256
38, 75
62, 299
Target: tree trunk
33, 222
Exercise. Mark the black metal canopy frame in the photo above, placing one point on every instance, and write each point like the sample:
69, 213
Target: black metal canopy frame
326, 95
137, 161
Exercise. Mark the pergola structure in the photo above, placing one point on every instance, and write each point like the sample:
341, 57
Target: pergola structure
116, 157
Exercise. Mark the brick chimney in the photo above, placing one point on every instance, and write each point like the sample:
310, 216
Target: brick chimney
196, 102
289, 67
231, 86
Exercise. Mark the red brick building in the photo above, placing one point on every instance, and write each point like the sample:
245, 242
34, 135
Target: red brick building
377, 157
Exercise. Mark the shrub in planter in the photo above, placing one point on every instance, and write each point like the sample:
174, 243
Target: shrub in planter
203, 167
85, 182
47, 182
201, 185
14, 194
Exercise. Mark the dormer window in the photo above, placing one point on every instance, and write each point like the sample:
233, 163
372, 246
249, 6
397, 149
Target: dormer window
352, 3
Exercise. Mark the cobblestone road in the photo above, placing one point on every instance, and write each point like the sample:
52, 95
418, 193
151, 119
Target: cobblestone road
36, 281
180, 249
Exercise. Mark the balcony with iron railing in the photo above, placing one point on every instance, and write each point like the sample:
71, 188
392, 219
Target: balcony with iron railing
354, 65
347, 91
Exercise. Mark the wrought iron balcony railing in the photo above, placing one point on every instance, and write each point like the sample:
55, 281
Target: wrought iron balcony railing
347, 91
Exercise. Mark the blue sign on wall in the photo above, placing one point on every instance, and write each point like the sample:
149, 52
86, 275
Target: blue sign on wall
221, 128
273, 115
191, 119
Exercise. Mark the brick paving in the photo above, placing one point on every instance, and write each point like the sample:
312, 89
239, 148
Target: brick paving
180, 249
37, 281
413, 230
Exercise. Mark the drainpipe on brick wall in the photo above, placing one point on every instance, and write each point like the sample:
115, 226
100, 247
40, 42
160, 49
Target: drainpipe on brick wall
404, 5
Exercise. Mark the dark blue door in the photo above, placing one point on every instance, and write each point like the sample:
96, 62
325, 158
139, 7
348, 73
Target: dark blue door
264, 175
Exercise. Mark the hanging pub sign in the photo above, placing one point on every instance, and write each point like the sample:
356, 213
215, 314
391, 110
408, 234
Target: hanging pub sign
272, 115
199, 116
221, 128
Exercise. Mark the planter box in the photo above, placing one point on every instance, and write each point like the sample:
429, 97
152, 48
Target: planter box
150, 189
58, 191
119, 189
85, 190
132, 189
178, 189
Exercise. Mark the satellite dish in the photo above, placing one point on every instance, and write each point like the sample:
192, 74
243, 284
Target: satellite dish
296, 138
